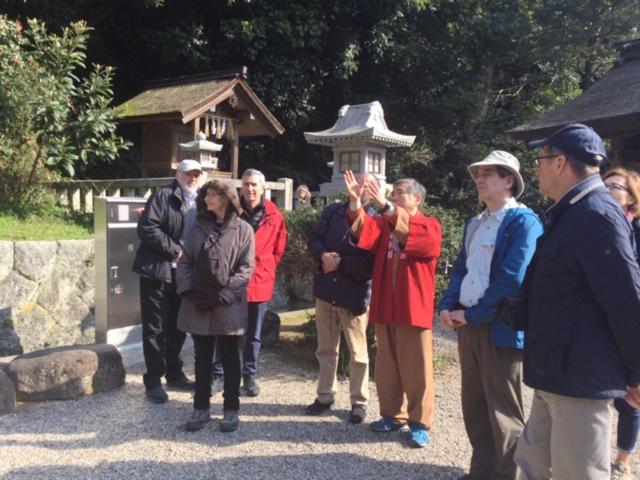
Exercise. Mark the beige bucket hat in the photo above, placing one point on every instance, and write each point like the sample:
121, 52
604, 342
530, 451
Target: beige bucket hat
500, 158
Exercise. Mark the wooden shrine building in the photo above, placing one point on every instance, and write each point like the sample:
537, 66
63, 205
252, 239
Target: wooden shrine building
180, 110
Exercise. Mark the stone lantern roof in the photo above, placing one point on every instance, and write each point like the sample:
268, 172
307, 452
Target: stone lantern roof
364, 122
201, 145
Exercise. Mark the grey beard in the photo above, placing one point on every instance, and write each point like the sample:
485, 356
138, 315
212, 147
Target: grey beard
186, 188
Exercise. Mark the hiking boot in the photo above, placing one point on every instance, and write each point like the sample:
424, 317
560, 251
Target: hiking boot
358, 413
386, 424
250, 387
230, 421
317, 408
181, 383
217, 385
156, 394
419, 436
620, 471
198, 420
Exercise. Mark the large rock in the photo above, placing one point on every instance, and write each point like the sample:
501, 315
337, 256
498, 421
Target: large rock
16, 291
65, 373
6, 259
270, 334
301, 287
35, 260
7, 394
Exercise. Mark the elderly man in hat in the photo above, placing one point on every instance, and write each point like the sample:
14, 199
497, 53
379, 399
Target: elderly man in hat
167, 217
496, 249
580, 304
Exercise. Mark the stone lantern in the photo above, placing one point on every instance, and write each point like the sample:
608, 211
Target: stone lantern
203, 151
359, 139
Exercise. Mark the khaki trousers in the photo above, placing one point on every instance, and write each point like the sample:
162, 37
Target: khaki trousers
491, 401
565, 438
404, 373
330, 321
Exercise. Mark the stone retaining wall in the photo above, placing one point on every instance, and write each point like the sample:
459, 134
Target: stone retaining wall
46, 294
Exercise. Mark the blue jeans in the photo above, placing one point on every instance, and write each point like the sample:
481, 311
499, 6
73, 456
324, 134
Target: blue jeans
628, 425
251, 349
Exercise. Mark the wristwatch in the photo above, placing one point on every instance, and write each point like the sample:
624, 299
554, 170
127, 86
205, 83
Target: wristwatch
386, 209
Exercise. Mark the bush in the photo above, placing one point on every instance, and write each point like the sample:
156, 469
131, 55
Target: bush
53, 121
452, 228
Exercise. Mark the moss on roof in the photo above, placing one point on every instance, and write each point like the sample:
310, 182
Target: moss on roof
169, 99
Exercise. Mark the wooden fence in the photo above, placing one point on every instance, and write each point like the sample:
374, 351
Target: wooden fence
79, 194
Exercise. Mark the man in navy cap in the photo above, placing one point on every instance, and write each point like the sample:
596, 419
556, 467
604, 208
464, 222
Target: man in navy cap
581, 298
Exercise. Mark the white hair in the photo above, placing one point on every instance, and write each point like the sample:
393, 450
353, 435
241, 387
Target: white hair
252, 172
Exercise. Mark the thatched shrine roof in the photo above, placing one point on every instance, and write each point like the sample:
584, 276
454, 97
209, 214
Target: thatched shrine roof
186, 98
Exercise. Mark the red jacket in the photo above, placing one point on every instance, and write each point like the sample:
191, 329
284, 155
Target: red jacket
271, 238
404, 272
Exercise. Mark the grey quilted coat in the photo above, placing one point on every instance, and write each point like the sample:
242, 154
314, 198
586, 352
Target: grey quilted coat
231, 259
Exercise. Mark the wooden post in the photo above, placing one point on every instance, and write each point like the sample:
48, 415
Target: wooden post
235, 148
196, 127
287, 193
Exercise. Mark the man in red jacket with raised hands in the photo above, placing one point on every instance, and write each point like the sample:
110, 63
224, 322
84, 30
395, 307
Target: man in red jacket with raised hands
406, 244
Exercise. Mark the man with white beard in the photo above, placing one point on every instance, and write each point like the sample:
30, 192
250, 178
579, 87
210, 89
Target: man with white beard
168, 216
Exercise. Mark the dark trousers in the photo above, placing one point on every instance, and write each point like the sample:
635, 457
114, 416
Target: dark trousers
227, 345
252, 343
161, 340
491, 401
628, 425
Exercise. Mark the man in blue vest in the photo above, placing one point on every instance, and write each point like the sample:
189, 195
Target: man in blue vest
582, 302
497, 247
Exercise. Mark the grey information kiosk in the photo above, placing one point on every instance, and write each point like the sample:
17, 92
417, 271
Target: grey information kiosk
117, 287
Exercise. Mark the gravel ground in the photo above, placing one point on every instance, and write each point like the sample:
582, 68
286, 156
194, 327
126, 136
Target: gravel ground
118, 434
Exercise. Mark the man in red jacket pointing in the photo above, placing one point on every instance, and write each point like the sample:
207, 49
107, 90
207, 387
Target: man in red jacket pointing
406, 244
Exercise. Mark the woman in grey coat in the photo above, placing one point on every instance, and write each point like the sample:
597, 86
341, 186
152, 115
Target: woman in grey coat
212, 278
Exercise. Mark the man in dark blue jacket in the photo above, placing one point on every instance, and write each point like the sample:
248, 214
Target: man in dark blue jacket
168, 215
497, 247
342, 287
582, 303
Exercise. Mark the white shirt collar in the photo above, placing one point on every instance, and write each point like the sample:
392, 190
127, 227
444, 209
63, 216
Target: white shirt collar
499, 214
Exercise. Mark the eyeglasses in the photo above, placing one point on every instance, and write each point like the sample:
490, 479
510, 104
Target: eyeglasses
544, 157
616, 186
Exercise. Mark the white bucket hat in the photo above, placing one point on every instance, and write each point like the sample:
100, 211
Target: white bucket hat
505, 160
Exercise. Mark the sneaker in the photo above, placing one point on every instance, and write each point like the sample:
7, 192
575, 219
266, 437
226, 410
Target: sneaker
358, 413
217, 385
181, 383
317, 408
198, 420
230, 421
620, 471
419, 437
250, 387
156, 394
386, 424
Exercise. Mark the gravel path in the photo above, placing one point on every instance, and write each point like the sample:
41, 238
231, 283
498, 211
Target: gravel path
119, 435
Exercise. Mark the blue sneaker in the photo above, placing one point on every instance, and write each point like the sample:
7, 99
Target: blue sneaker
419, 436
386, 424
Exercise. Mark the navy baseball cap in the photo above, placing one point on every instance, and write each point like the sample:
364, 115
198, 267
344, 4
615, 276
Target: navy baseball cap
577, 141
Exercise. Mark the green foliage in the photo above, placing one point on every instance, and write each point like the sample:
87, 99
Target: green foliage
52, 121
452, 228
296, 260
